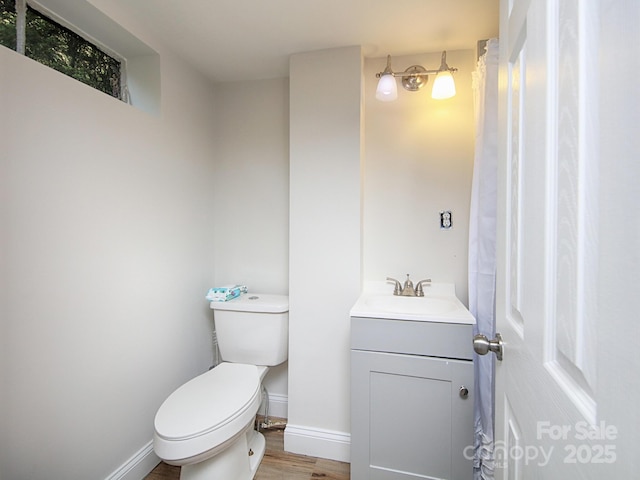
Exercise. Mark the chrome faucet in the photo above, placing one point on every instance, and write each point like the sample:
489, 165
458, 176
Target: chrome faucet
408, 289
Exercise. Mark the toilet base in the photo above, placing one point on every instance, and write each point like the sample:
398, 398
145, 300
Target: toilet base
238, 462
257, 444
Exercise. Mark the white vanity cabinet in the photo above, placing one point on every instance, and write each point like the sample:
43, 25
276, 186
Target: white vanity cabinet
411, 399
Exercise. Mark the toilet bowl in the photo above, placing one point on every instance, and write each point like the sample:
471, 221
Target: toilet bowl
207, 415
206, 425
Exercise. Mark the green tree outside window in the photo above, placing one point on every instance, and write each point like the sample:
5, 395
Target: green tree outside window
51, 44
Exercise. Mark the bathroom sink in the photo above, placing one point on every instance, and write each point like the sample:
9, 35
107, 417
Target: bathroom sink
411, 305
439, 304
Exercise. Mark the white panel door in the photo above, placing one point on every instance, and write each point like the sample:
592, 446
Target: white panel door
564, 408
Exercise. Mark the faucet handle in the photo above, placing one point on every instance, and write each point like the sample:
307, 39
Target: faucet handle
397, 288
419, 291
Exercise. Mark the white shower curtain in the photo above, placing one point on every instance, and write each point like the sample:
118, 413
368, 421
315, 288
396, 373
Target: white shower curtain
482, 250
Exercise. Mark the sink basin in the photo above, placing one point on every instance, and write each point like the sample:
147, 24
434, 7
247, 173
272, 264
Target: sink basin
439, 304
411, 305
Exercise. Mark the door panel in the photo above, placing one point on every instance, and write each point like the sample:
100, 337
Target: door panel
550, 420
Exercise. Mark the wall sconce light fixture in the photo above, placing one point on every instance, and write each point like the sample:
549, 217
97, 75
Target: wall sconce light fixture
414, 78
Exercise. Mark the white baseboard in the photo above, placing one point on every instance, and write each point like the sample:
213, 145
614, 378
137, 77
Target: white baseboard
318, 442
138, 466
278, 406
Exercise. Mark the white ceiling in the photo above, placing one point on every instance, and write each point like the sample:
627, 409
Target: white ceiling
249, 39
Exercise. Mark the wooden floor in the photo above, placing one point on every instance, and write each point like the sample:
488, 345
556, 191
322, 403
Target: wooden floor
276, 464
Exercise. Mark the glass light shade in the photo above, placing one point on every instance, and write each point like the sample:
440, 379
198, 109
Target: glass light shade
443, 86
387, 90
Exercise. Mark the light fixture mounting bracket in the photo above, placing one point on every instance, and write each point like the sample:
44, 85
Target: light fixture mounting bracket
415, 78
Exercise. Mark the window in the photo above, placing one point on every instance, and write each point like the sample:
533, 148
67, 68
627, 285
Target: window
44, 40
139, 64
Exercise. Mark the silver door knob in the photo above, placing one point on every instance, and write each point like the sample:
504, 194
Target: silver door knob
464, 392
482, 345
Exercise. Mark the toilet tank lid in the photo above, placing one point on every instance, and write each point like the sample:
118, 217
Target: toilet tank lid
255, 302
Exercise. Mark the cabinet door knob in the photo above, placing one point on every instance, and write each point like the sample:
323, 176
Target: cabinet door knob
464, 391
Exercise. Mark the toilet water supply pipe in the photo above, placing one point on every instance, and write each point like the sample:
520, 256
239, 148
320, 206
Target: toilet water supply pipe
266, 423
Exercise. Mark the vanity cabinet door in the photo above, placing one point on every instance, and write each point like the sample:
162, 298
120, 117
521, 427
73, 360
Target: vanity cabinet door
410, 418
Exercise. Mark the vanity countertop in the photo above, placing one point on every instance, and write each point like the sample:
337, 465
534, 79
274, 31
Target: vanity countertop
439, 304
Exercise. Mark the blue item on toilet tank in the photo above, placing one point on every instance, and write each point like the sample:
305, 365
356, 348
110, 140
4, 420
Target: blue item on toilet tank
225, 293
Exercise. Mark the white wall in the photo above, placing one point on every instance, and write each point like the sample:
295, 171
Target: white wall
324, 255
418, 157
107, 254
251, 185
251, 196
114, 224
418, 161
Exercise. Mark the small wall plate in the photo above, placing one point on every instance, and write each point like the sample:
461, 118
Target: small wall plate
446, 221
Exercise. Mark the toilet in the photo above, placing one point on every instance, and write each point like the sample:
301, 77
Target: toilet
207, 425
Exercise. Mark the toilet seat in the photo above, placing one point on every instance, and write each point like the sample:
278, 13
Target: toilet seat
204, 414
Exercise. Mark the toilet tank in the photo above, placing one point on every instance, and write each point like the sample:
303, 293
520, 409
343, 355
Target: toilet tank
253, 328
